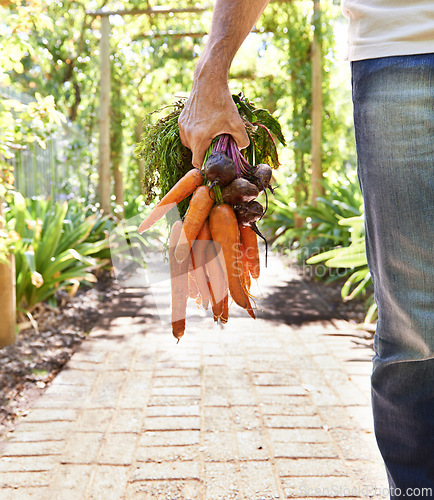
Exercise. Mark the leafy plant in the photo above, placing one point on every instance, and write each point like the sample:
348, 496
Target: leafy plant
52, 251
353, 258
322, 229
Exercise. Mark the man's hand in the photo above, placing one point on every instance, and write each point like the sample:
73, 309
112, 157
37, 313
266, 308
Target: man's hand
209, 112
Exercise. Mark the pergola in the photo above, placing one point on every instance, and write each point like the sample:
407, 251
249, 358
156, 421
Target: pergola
7, 271
104, 116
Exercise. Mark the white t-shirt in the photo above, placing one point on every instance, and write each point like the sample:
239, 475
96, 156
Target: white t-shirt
381, 28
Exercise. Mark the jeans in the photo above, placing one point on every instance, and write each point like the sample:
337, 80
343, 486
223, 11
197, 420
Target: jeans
393, 101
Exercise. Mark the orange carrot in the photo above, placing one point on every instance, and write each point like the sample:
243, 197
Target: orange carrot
217, 283
251, 251
183, 188
179, 284
225, 314
199, 259
224, 230
198, 211
193, 290
246, 272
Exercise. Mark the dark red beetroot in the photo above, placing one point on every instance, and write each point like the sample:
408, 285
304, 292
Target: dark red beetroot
249, 213
262, 176
240, 190
219, 168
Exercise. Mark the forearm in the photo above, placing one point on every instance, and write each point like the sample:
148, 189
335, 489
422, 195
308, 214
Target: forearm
210, 109
231, 23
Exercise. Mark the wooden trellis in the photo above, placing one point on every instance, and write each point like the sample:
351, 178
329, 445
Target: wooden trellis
104, 188
104, 118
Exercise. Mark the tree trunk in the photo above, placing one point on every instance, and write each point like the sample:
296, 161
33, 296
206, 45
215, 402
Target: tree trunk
7, 302
316, 173
139, 132
104, 187
119, 188
299, 189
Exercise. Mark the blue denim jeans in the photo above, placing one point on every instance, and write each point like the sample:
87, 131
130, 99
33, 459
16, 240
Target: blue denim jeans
394, 123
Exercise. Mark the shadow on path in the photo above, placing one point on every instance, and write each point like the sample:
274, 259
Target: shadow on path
293, 303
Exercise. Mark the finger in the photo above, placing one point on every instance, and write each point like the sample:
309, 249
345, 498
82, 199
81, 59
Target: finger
199, 154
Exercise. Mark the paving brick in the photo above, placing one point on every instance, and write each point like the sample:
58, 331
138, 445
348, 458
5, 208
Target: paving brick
242, 397
312, 467
219, 447
165, 490
287, 410
82, 448
271, 390
176, 391
70, 481
52, 415
221, 481
294, 421
216, 418
175, 373
171, 423
354, 445
173, 401
167, 453
41, 435
166, 470
215, 396
61, 427
246, 417
252, 445
257, 481
169, 438
322, 487
117, 449
299, 435
305, 450
32, 449
24, 479
94, 420
23, 493
273, 378
127, 420
108, 483
173, 411
28, 464
176, 381
106, 390
135, 390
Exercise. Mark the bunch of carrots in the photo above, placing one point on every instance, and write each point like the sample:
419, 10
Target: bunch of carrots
213, 252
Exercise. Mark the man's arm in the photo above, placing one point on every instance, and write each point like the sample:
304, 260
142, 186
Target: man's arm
210, 110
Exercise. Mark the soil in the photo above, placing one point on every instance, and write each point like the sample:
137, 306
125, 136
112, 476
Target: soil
38, 355
42, 349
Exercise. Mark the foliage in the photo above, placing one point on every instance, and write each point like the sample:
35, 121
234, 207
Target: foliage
53, 250
353, 258
322, 229
166, 159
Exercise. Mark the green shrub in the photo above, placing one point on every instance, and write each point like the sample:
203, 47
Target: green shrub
353, 258
54, 249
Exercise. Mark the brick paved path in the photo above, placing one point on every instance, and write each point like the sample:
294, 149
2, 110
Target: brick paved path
263, 409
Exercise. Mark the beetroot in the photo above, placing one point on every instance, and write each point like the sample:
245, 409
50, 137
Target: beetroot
248, 213
220, 169
240, 190
262, 176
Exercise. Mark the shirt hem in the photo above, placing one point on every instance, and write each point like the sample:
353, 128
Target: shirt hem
357, 53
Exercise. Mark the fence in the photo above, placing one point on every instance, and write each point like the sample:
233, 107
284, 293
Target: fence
38, 171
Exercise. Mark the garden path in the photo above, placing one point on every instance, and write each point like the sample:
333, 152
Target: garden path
268, 409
